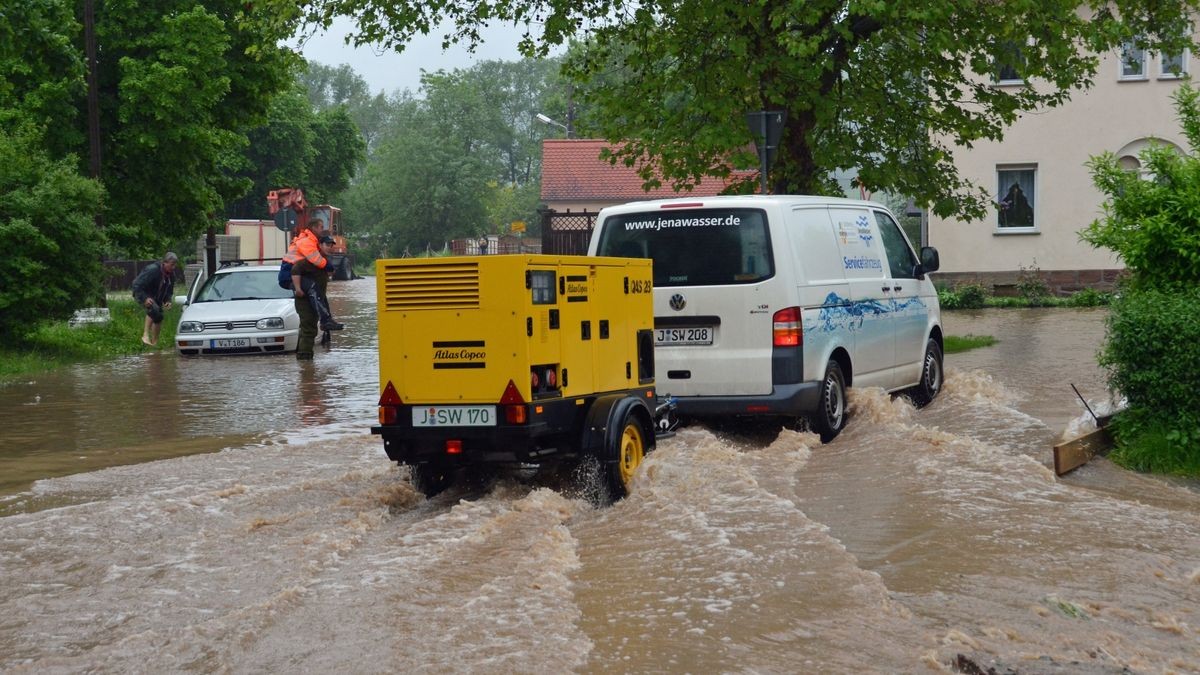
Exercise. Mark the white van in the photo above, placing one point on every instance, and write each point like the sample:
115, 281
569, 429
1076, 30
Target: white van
773, 305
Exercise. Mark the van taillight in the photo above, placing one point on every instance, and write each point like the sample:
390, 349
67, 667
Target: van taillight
785, 328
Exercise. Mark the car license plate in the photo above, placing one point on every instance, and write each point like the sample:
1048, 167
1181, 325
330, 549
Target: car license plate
700, 335
455, 416
231, 343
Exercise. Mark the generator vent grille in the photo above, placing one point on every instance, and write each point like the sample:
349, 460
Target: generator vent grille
430, 286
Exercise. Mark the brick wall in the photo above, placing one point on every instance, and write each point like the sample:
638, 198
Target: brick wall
1061, 282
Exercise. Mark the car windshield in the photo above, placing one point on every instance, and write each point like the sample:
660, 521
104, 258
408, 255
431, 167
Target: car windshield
242, 285
694, 247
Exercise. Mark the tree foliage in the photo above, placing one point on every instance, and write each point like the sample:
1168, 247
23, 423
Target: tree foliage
340, 87
422, 188
461, 161
887, 87
1151, 356
182, 82
1152, 221
319, 151
46, 210
42, 72
1154, 225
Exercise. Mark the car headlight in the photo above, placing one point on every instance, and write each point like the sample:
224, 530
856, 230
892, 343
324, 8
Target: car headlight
273, 323
190, 327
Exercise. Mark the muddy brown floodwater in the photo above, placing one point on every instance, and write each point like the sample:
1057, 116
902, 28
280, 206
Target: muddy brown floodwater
235, 515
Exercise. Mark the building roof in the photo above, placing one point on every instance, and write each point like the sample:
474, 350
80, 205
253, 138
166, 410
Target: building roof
573, 171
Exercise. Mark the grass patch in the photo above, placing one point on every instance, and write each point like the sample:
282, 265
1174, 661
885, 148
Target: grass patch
961, 343
1155, 451
54, 344
976, 296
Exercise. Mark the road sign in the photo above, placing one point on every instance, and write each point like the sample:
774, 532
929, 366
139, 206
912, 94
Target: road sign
766, 127
518, 226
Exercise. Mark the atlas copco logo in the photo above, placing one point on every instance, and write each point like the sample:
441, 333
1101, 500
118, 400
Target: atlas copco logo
458, 355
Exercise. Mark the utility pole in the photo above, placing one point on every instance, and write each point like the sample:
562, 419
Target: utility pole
766, 128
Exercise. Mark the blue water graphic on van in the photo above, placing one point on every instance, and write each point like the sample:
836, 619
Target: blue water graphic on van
838, 313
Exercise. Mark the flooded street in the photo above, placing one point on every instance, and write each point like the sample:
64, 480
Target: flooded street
234, 514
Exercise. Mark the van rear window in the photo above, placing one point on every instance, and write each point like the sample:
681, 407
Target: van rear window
700, 247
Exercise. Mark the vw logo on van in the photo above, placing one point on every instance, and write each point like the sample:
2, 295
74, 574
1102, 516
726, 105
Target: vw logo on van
677, 302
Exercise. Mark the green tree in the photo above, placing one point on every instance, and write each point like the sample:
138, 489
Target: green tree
464, 159
885, 86
46, 214
47, 208
42, 73
319, 151
1150, 351
1154, 225
340, 147
279, 153
421, 189
182, 82
330, 87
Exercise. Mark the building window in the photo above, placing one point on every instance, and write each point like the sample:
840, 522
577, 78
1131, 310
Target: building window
1017, 198
1129, 163
1173, 66
1009, 64
1133, 62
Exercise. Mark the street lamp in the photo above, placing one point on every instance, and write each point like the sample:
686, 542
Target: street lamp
546, 120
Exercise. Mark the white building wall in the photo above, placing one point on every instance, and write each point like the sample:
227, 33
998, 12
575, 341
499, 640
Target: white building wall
1112, 116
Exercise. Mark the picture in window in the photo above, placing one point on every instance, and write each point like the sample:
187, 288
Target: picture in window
1016, 201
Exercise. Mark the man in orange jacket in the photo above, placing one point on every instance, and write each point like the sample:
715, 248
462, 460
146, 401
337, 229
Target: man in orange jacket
310, 304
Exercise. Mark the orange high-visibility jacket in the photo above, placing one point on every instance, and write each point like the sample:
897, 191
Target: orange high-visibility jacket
304, 247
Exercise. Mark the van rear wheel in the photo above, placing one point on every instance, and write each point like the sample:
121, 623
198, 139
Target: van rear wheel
830, 416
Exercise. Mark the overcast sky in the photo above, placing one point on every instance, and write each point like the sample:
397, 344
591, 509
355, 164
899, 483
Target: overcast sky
389, 71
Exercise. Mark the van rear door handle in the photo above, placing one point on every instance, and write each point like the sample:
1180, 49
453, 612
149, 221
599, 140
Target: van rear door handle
884, 289
897, 289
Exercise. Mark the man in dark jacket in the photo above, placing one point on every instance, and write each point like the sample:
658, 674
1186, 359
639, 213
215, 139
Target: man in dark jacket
153, 289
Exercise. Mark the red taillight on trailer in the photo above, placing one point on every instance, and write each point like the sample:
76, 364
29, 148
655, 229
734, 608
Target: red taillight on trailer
785, 328
516, 414
388, 402
515, 410
453, 447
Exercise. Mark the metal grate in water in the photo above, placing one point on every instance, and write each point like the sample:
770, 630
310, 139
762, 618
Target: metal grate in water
430, 286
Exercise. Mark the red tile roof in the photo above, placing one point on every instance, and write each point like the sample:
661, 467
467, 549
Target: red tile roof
573, 171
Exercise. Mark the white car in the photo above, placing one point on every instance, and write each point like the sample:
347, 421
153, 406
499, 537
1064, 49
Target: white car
240, 310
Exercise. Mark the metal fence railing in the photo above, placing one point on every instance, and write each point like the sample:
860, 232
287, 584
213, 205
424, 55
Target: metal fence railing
567, 233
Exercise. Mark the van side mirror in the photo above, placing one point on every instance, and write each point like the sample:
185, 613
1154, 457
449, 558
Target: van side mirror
929, 261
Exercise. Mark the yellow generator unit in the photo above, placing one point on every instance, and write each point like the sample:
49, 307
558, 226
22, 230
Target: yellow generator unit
515, 360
